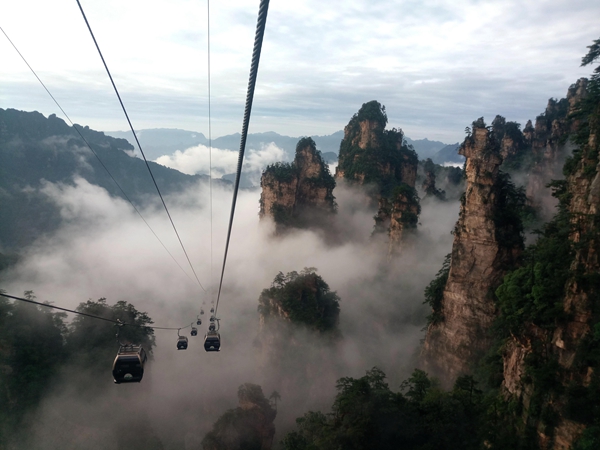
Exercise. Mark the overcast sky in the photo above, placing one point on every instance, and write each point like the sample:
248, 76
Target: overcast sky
435, 64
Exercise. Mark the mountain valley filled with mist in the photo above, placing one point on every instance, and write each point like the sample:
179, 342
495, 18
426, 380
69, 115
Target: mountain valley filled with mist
379, 292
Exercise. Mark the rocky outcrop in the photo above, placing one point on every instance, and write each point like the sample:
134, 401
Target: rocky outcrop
371, 155
483, 247
570, 342
550, 146
398, 215
299, 194
428, 187
302, 299
299, 317
250, 425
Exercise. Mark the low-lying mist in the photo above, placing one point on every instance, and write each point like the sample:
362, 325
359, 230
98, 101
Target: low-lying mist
106, 250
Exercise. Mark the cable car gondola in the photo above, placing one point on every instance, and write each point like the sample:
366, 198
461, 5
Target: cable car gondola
194, 331
182, 343
212, 340
129, 364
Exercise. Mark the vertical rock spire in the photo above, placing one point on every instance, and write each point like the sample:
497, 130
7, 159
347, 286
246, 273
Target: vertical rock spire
483, 246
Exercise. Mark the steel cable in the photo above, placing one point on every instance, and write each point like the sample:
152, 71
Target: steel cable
60, 308
258, 39
94, 153
138, 143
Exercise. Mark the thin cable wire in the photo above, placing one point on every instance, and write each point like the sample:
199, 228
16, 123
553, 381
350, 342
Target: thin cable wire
258, 38
94, 152
138, 143
209, 147
116, 322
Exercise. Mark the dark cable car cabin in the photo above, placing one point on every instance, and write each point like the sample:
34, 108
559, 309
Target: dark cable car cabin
194, 331
182, 343
212, 341
199, 321
129, 364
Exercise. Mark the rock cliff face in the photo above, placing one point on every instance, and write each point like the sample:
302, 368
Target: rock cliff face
428, 186
398, 215
550, 146
482, 249
569, 344
298, 194
250, 425
371, 155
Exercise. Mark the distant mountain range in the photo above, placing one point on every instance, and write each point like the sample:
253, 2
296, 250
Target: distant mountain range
448, 154
165, 141
157, 142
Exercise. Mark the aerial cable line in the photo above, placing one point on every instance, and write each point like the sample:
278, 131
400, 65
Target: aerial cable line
138, 143
209, 145
258, 38
116, 322
94, 152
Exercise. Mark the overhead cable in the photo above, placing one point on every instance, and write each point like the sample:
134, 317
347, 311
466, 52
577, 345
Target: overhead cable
94, 152
138, 143
260, 31
116, 322
210, 195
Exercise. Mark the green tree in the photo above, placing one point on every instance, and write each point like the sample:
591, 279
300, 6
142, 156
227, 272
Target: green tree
31, 353
306, 299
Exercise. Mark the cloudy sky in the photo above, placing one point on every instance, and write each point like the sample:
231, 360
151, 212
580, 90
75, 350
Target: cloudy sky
435, 64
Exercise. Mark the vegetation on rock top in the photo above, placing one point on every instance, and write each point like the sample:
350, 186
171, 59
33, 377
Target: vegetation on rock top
304, 298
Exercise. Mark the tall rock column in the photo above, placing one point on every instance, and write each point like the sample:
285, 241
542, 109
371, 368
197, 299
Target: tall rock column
371, 155
481, 250
299, 194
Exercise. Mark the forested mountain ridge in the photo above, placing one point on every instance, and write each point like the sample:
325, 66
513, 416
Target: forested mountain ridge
35, 150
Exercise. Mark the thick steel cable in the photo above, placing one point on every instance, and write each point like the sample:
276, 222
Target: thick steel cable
94, 152
116, 322
138, 143
258, 38
209, 147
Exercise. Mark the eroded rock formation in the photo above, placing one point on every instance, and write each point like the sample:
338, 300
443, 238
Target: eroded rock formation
483, 247
566, 345
299, 194
398, 215
550, 146
371, 155
296, 300
299, 318
428, 186
250, 425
